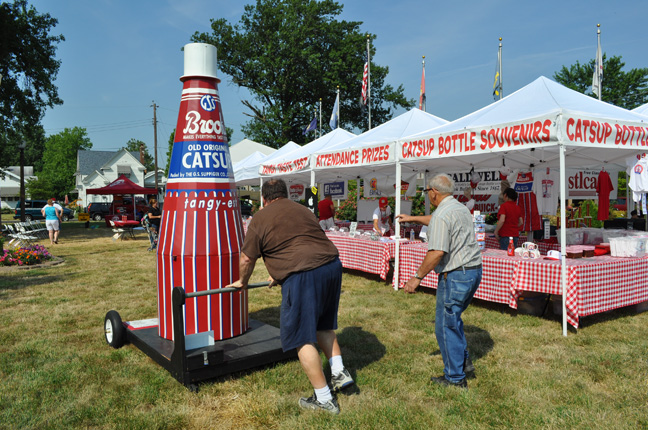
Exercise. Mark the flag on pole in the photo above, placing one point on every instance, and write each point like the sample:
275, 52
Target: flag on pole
597, 79
365, 80
497, 85
335, 116
312, 126
422, 93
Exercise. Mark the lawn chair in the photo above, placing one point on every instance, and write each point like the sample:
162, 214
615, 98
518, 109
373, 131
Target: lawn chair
119, 232
19, 238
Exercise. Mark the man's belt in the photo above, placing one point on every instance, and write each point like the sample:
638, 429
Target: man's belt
464, 268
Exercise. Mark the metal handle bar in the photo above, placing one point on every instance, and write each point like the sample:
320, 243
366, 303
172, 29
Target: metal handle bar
225, 290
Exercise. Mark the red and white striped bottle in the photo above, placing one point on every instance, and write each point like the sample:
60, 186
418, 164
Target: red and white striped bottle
201, 231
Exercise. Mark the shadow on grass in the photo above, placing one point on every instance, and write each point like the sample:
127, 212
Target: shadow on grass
269, 315
479, 341
27, 278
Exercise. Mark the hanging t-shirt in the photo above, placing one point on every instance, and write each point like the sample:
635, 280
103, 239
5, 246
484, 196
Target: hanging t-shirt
603, 188
546, 187
639, 179
527, 201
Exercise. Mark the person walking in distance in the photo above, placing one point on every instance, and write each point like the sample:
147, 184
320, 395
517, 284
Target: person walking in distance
454, 255
299, 256
52, 220
326, 210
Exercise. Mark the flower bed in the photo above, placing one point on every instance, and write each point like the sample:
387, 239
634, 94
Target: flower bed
27, 256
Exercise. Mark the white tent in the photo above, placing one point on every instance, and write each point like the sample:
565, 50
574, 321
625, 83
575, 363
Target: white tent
374, 149
296, 165
252, 176
543, 124
246, 147
248, 166
643, 109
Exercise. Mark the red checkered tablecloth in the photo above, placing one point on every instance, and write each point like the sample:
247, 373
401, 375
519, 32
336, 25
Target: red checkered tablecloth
543, 247
594, 285
497, 273
370, 256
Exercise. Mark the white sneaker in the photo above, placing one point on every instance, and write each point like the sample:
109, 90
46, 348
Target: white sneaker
341, 381
313, 404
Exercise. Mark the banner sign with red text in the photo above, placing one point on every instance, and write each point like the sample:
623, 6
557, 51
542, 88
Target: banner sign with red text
377, 154
525, 134
284, 166
590, 132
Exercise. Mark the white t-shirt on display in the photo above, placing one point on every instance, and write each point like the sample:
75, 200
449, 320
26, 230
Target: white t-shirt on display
546, 186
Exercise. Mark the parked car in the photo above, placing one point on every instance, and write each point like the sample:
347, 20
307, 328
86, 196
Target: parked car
33, 210
246, 208
98, 210
620, 204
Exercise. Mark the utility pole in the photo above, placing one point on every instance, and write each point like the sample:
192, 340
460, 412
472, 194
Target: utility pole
155, 148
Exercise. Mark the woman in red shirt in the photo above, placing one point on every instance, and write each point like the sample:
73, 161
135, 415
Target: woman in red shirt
509, 219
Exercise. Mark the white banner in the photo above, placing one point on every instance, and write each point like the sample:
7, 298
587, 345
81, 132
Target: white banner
284, 167
480, 140
592, 132
378, 154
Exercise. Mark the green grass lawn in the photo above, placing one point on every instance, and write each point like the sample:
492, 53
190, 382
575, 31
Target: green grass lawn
57, 372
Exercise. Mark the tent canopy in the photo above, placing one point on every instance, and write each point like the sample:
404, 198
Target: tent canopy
527, 128
245, 147
643, 109
296, 164
250, 174
122, 185
373, 150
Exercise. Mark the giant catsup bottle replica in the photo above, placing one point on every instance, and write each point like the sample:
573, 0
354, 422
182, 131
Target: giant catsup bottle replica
201, 231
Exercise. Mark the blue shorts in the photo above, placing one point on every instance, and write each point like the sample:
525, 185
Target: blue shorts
309, 303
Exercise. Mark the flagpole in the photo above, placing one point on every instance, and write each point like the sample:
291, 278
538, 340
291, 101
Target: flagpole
500, 68
422, 104
338, 106
369, 79
320, 115
598, 66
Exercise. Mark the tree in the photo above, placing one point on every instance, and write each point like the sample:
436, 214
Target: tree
291, 53
135, 145
169, 152
28, 67
59, 164
624, 89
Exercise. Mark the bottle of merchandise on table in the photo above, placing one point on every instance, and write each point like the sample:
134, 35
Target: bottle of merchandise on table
511, 247
412, 234
479, 221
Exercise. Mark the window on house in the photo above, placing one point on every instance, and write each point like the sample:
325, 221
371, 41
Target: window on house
124, 170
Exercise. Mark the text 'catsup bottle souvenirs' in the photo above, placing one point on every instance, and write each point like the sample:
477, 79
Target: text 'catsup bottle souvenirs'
201, 231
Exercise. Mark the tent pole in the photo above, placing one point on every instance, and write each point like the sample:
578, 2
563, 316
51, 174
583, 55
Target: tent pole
260, 188
397, 225
563, 238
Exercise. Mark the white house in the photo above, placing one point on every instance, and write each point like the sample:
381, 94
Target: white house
96, 169
10, 185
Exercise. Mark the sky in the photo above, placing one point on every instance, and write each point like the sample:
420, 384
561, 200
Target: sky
120, 57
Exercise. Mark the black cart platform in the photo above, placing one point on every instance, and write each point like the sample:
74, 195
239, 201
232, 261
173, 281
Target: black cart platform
258, 346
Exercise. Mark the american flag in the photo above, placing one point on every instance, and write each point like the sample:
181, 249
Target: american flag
365, 78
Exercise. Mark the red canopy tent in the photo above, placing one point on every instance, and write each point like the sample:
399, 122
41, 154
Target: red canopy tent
123, 185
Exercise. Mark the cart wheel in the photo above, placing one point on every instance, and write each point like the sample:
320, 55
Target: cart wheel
193, 388
114, 330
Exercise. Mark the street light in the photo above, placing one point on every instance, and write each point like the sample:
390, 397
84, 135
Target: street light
22, 180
